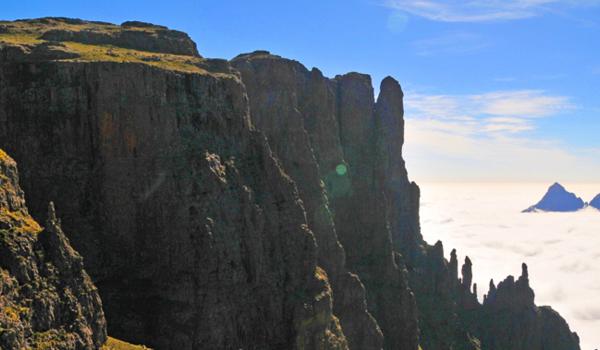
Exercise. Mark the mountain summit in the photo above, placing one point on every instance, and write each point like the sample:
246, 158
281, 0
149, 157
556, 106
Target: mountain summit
557, 198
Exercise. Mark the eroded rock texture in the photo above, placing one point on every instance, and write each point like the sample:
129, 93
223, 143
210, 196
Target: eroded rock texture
47, 300
195, 236
323, 131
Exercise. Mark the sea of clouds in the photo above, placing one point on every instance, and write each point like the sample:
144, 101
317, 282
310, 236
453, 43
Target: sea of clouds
562, 250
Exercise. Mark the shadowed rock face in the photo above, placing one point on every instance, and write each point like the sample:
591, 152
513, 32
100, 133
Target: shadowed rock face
557, 198
203, 232
323, 131
512, 321
46, 298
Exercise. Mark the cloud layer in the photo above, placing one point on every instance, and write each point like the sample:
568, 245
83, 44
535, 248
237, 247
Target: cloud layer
484, 222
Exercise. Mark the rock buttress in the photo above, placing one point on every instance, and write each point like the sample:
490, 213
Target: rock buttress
324, 132
282, 94
46, 297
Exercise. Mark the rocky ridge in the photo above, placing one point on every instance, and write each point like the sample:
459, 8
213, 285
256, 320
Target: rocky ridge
251, 203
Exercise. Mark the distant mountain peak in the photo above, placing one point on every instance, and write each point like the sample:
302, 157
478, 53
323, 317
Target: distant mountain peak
557, 198
595, 203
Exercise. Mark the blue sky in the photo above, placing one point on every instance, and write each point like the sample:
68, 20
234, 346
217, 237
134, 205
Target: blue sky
495, 90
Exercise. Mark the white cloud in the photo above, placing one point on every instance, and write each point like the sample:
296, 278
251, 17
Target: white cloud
526, 103
482, 10
561, 249
488, 137
477, 110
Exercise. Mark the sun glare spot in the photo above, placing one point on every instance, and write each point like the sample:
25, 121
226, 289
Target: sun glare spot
341, 169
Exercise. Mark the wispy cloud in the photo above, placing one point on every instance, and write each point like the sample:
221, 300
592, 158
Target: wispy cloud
480, 11
450, 44
499, 111
491, 137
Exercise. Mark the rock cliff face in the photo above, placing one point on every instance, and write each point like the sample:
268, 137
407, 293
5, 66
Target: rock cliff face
47, 300
247, 204
194, 234
323, 132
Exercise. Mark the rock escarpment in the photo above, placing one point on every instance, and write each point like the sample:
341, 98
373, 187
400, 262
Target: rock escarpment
194, 234
334, 129
47, 300
323, 132
248, 204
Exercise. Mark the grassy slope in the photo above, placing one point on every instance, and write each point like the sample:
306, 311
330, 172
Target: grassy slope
116, 344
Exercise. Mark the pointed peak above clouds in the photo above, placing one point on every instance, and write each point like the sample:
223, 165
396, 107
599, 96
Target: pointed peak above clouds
557, 198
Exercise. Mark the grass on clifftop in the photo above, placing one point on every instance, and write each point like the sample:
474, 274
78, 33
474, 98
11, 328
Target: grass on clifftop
108, 53
22, 222
29, 34
116, 344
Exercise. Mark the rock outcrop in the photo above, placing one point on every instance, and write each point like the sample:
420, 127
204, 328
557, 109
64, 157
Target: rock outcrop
557, 198
511, 320
47, 300
247, 204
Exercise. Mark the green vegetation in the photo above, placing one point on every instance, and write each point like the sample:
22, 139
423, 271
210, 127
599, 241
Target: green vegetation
109, 53
21, 221
29, 33
52, 339
116, 344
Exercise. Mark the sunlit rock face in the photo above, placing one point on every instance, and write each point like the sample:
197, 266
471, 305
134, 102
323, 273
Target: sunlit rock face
47, 300
557, 198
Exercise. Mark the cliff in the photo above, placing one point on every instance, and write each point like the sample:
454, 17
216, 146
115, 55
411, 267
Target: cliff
47, 300
194, 235
247, 204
